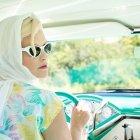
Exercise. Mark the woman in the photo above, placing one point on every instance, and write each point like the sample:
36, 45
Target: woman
28, 111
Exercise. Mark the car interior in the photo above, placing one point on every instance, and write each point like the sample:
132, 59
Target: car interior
115, 108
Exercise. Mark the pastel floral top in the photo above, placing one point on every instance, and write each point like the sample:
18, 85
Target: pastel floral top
29, 112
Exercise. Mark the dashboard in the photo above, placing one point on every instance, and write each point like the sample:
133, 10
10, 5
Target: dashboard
109, 121
119, 132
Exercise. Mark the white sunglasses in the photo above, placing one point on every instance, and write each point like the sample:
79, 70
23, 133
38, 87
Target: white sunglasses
46, 47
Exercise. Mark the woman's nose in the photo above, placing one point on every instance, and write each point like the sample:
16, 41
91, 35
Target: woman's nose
43, 55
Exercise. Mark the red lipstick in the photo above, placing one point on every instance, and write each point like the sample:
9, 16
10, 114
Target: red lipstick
43, 67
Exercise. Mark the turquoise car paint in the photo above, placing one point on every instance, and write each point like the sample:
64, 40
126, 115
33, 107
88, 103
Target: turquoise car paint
72, 98
124, 102
122, 106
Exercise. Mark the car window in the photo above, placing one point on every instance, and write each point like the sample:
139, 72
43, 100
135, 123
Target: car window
87, 65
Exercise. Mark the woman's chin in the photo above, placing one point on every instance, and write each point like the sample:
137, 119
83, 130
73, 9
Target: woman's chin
42, 75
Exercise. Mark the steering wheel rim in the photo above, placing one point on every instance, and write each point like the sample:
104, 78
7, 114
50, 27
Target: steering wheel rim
75, 100
69, 97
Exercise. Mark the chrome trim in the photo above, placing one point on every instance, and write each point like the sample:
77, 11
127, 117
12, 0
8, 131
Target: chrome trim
86, 21
106, 126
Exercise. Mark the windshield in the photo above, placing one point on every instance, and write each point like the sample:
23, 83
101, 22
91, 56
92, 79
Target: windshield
89, 65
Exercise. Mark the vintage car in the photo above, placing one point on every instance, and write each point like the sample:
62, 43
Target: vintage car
95, 59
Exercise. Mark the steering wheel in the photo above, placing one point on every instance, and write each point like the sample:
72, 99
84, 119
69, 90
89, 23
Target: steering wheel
75, 100
71, 98
68, 96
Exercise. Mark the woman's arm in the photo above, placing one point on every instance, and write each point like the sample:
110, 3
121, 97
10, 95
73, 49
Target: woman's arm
58, 130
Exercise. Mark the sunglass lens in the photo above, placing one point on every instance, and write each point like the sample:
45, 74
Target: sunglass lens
31, 51
38, 50
47, 48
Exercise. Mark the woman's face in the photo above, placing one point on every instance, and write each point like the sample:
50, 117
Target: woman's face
38, 66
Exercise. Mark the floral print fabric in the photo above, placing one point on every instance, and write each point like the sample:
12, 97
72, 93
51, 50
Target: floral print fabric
28, 112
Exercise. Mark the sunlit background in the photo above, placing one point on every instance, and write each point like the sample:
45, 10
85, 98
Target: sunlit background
88, 65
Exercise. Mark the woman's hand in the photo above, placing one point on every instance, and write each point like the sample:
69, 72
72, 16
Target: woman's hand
79, 119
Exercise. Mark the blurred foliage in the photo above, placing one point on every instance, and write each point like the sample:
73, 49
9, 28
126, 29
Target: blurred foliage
94, 64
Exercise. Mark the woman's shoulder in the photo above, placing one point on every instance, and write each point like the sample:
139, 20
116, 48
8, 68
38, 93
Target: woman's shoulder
29, 96
32, 93
21, 87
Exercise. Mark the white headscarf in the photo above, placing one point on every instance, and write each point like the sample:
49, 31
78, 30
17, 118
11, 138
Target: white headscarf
11, 68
